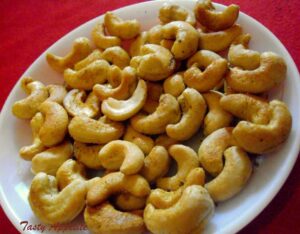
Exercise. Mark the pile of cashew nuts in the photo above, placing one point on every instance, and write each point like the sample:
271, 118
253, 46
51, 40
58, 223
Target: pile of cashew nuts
128, 113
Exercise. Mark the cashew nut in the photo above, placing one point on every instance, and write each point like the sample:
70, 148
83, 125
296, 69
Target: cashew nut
215, 67
233, 177
154, 91
128, 202
165, 141
101, 131
81, 49
155, 34
95, 55
117, 56
57, 93
29, 106
77, 102
174, 84
125, 29
52, 206
137, 43
193, 109
271, 72
167, 112
103, 41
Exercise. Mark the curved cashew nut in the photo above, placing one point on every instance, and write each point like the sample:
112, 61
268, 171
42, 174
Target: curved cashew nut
81, 49
77, 102
174, 84
192, 210
213, 20
165, 141
240, 56
55, 124
51, 159
120, 110
144, 142
87, 77
212, 148
123, 155
186, 38
101, 40
52, 206
156, 164
215, 69
95, 55
101, 131
125, 29
117, 56
193, 109
105, 219
154, 91
216, 117
172, 12
29, 106
186, 159
57, 93
218, 41
167, 112
155, 34
271, 72
28, 152
153, 63
233, 177
87, 154
128, 202
117, 182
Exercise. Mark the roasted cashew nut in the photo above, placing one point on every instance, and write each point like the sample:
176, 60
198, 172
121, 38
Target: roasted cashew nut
233, 177
87, 154
81, 49
215, 67
167, 112
57, 93
271, 72
165, 141
186, 159
193, 108
186, 38
120, 110
216, 117
29, 106
52, 206
174, 84
155, 34
128, 202
154, 91
101, 131
77, 103
193, 208
55, 124
213, 20
92, 57
103, 41
172, 12
117, 56
153, 63
137, 43
123, 155
117, 182
51, 159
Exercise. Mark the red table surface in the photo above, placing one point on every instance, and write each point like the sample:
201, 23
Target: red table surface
27, 28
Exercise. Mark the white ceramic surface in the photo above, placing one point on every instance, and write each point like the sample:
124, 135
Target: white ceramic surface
230, 216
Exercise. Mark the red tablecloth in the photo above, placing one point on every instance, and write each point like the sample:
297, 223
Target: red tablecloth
27, 28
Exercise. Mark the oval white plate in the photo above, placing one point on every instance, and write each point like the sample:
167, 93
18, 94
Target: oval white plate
230, 216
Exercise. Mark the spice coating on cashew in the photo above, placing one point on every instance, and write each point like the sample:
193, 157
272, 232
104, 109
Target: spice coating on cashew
128, 202
165, 141
174, 84
95, 55
154, 91
117, 56
57, 93
103, 41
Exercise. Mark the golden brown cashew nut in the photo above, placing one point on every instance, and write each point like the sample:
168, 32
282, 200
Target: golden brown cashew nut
216, 117
87, 77
51, 159
101, 131
137, 43
186, 38
52, 206
128, 202
167, 112
213, 20
28, 152
153, 63
81, 49
120, 110
192, 209
77, 102
123, 155
174, 84
105, 219
218, 41
57, 93
172, 12
95, 55
101, 40
215, 67
155, 34
29, 106
193, 108
117, 182
186, 159
117, 56
125, 29
55, 124
233, 177
271, 72
165, 141
154, 91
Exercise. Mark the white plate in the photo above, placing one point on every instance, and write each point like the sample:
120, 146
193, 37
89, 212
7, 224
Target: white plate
230, 216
